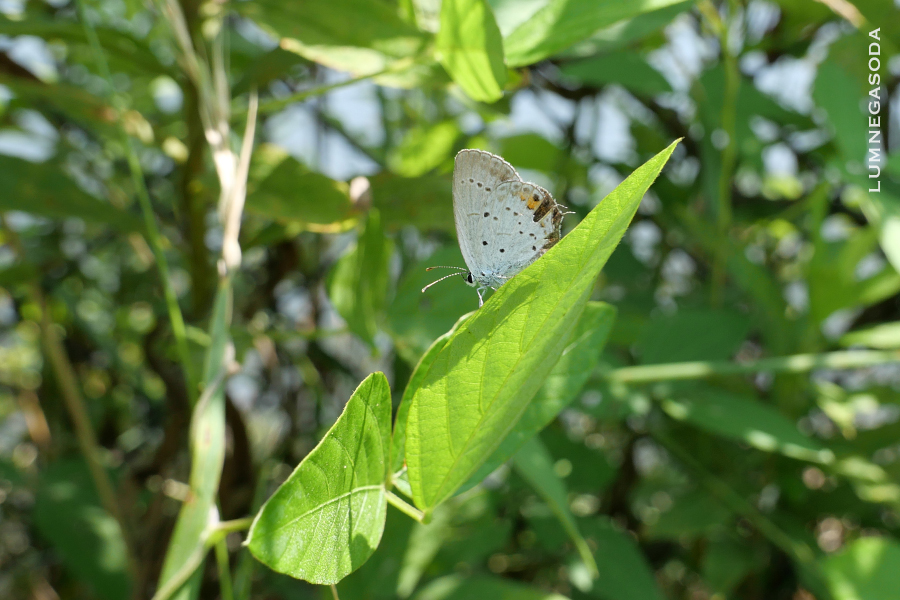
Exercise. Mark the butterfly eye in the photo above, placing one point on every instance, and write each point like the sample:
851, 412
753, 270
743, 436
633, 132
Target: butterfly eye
469, 278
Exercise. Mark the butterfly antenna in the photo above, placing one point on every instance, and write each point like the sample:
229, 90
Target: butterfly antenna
441, 279
444, 267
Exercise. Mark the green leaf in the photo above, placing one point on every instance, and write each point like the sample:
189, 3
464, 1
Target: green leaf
885, 336
398, 455
562, 385
415, 319
692, 335
88, 539
358, 284
624, 573
43, 189
357, 36
454, 587
744, 419
207, 439
327, 518
424, 542
425, 202
423, 149
693, 514
866, 569
481, 383
627, 69
561, 23
839, 95
286, 190
470, 48
535, 465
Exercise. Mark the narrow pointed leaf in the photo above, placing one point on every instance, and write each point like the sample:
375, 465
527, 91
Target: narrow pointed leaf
482, 381
535, 465
327, 519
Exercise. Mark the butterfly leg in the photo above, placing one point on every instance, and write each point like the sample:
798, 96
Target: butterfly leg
480, 299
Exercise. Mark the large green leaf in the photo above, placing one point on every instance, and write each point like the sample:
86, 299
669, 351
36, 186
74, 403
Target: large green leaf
482, 381
358, 36
425, 202
207, 441
470, 48
44, 190
692, 335
453, 587
561, 23
423, 149
358, 284
867, 569
327, 518
88, 539
744, 419
535, 465
885, 336
562, 385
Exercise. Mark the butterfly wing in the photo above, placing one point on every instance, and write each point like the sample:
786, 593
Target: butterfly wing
526, 225
476, 177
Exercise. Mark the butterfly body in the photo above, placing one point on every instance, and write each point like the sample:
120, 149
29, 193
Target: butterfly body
503, 223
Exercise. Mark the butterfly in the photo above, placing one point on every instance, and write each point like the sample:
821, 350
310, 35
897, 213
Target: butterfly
503, 223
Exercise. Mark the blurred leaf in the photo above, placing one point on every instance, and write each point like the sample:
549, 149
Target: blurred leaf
535, 465
284, 189
839, 95
358, 282
725, 563
424, 542
690, 335
87, 538
18, 273
357, 36
884, 212
43, 189
744, 419
327, 518
454, 587
561, 23
423, 149
866, 569
629, 70
484, 378
692, 514
207, 444
626, 32
470, 48
885, 336
416, 318
425, 202
624, 573
531, 151
274, 64
576, 363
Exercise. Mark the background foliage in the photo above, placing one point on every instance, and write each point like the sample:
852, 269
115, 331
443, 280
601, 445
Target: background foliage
169, 352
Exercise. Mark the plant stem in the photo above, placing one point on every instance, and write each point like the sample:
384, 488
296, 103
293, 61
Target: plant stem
154, 237
225, 587
404, 507
797, 363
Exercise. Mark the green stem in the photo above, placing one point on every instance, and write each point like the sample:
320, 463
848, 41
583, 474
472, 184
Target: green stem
225, 587
154, 237
404, 507
797, 363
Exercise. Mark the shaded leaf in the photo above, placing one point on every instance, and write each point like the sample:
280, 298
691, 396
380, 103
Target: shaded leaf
475, 392
327, 518
692, 335
358, 283
425, 202
423, 149
535, 465
470, 48
87, 538
453, 587
624, 573
629, 70
43, 189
